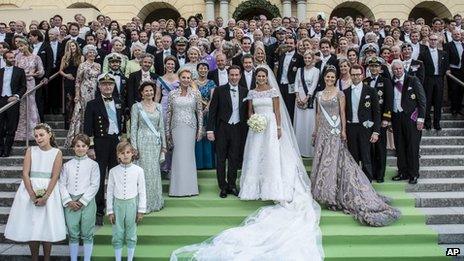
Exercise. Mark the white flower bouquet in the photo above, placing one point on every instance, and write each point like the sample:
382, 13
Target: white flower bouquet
40, 193
257, 123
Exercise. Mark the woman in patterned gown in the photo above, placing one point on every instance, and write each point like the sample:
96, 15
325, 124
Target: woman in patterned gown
337, 180
33, 67
147, 137
204, 152
86, 85
167, 83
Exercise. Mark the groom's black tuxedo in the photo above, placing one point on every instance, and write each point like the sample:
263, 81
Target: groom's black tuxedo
229, 138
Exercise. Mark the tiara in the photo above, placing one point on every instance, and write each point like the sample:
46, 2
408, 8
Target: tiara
330, 67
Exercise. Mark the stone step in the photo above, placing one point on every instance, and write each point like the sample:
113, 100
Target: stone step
441, 149
443, 215
444, 132
434, 172
439, 140
21, 150
449, 116
449, 233
59, 141
437, 185
18, 160
57, 117
60, 124
439, 199
434, 160
452, 123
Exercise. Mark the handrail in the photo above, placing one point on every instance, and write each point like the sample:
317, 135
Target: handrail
29, 92
454, 78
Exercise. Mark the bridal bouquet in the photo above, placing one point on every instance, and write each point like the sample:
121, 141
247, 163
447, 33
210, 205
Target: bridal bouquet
257, 123
40, 193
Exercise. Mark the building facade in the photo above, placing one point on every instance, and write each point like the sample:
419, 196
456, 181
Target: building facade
123, 10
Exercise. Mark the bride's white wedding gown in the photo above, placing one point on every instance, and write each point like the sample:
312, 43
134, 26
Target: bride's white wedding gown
288, 230
263, 162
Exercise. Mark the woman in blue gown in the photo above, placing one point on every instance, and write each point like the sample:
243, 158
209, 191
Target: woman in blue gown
204, 149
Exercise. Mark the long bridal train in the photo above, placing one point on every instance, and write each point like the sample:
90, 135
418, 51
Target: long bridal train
288, 230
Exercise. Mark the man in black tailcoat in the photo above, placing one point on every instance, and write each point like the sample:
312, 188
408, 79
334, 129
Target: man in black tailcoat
362, 119
408, 106
227, 127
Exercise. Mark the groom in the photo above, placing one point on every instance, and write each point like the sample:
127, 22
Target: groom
227, 127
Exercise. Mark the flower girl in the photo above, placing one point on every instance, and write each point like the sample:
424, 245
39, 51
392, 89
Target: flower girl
36, 215
126, 200
79, 182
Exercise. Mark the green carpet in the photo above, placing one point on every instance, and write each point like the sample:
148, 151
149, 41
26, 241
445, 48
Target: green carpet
191, 220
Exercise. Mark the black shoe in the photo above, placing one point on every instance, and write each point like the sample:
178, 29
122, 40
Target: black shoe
233, 191
438, 128
5, 154
428, 126
399, 177
380, 180
99, 220
413, 180
223, 193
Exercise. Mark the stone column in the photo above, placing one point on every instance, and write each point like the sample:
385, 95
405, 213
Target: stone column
286, 8
301, 10
209, 10
224, 10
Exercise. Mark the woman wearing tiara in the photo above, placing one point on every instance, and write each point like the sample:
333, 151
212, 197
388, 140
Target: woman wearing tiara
337, 180
288, 230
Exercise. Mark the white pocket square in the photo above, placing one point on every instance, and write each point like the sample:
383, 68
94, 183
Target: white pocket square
368, 96
409, 88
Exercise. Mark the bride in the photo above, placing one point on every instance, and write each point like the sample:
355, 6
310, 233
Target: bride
288, 230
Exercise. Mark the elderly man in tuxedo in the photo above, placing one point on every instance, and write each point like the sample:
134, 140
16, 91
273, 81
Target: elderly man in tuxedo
103, 122
12, 87
409, 104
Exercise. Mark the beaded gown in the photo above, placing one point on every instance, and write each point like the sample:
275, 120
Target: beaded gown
184, 121
149, 144
337, 181
204, 149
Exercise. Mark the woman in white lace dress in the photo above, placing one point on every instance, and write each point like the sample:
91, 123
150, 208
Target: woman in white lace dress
261, 171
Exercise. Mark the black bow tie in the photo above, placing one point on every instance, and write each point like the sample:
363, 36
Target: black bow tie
181, 56
108, 99
116, 73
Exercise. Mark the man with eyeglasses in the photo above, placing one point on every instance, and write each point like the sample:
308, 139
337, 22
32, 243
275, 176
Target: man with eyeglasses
362, 119
436, 63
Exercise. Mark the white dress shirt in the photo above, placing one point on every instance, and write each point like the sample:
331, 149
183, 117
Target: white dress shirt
373, 81
359, 32
6, 90
407, 38
79, 176
37, 48
286, 65
223, 77
2, 37
460, 50
54, 46
355, 98
415, 51
2, 62
234, 96
397, 96
407, 64
126, 182
193, 30
145, 76
166, 53
324, 60
434, 54
248, 78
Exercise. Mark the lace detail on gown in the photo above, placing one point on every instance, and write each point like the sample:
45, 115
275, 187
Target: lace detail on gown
337, 181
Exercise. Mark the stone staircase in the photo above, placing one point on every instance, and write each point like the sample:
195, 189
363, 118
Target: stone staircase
439, 193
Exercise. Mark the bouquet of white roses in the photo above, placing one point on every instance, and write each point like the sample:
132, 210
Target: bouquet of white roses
40, 193
257, 122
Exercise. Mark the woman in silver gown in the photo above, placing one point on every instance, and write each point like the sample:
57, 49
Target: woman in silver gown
147, 137
184, 127
337, 181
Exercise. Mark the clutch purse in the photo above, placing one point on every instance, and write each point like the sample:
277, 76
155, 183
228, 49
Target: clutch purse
162, 157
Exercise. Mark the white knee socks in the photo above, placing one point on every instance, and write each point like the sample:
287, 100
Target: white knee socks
88, 248
73, 251
130, 254
117, 254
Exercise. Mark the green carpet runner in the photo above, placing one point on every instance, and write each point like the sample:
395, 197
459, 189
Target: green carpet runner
191, 220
